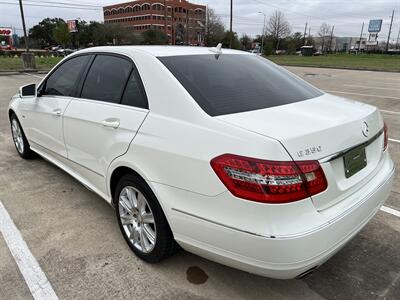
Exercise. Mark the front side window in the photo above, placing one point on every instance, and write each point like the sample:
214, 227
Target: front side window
234, 83
62, 81
106, 79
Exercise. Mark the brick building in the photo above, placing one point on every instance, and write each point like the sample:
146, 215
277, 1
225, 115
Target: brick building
182, 21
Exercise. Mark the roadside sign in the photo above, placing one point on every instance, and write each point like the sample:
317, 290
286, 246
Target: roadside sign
72, 25
375, 25
5, 31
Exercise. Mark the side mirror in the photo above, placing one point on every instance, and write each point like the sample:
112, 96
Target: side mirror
28, 90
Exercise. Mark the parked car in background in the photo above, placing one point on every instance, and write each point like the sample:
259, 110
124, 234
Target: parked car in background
4, 46
219, 151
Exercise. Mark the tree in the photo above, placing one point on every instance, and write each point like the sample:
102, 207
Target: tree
154, 37
277, 27
324, 34
61, 34
43, 32
226, 39
215, 29
294, 42
245, 40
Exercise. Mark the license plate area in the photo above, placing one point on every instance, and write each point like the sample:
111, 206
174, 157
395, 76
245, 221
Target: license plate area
354, 161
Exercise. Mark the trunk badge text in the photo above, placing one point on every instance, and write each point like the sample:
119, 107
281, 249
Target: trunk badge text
365, 129
309, 151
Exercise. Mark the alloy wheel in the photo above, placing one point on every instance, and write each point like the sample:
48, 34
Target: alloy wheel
17, 136
137, 219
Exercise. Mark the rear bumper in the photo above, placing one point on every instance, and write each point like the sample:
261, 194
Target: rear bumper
283, 256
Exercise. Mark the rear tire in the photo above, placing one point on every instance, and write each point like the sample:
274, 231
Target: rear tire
142, 221
20, 141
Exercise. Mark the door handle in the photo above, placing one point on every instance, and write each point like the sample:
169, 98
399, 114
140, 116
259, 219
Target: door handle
112, 123
57, 112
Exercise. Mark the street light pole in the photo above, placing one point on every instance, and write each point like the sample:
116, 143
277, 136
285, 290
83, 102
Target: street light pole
263, 32
361, 34
390, 31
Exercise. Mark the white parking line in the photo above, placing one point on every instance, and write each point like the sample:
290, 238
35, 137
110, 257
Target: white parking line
365, 95
34, 75
390, 211
390, 112
395, 141
371, 87
35, 278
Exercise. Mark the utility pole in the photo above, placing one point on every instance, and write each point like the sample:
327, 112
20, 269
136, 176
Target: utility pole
390, 31
23, 26
330, 40
205, 42
304, 37
28, 58
172, 25
263, 32
362, 29
187, 27
230, 26
397, 41
309, 32
165, 19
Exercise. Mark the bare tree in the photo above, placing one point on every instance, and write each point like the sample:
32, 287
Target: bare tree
215, 29
324, 34
277, 27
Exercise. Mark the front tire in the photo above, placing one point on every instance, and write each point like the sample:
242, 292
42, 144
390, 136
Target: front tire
142, 221
20, 141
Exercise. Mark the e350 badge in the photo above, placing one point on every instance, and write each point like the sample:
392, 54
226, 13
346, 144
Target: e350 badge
309, 151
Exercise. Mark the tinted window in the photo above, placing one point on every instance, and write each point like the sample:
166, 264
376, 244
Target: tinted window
62, 81
236, 83
106, 78
134, 95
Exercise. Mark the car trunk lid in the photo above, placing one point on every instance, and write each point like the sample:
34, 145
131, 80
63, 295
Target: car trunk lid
324, 129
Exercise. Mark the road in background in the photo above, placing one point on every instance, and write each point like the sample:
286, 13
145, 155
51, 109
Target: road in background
74, 236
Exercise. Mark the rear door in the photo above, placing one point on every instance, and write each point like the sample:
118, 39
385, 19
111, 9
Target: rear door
100, 124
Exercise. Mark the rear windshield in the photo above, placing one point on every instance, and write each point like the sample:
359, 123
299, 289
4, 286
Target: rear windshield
233, 83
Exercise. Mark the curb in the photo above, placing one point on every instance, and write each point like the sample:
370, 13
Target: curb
338, 68
21, 72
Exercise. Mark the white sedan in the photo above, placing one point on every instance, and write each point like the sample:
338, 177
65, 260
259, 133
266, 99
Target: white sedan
218, 151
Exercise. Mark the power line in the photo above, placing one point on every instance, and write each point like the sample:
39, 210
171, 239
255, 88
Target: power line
53, 6
64, 3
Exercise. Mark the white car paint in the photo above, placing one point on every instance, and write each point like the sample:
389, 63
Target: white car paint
172, 143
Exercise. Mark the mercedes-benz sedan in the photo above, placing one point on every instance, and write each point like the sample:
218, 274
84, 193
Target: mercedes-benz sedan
219, 151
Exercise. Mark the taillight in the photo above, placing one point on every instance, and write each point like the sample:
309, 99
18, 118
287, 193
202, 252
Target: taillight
385, 136
269, 181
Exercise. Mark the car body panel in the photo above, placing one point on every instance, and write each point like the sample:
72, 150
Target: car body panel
42, 121
89, 141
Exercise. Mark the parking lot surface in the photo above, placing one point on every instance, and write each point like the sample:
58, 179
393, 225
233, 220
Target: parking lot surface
74, 236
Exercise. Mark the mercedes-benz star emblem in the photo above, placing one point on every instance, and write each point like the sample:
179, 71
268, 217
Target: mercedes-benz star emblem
365, 129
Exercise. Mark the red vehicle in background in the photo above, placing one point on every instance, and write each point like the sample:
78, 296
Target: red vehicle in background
6, 40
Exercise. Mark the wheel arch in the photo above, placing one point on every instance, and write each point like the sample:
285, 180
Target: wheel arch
10, 113
117, 173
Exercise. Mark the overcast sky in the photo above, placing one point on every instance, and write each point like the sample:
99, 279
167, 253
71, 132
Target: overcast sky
346, 15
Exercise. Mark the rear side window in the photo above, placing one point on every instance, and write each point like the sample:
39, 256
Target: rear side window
62, 81
134, 95
106, 78
233, 83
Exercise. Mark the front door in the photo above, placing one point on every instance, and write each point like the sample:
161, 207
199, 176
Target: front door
42, 116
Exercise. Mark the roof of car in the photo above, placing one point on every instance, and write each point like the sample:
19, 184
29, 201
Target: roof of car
164, 50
